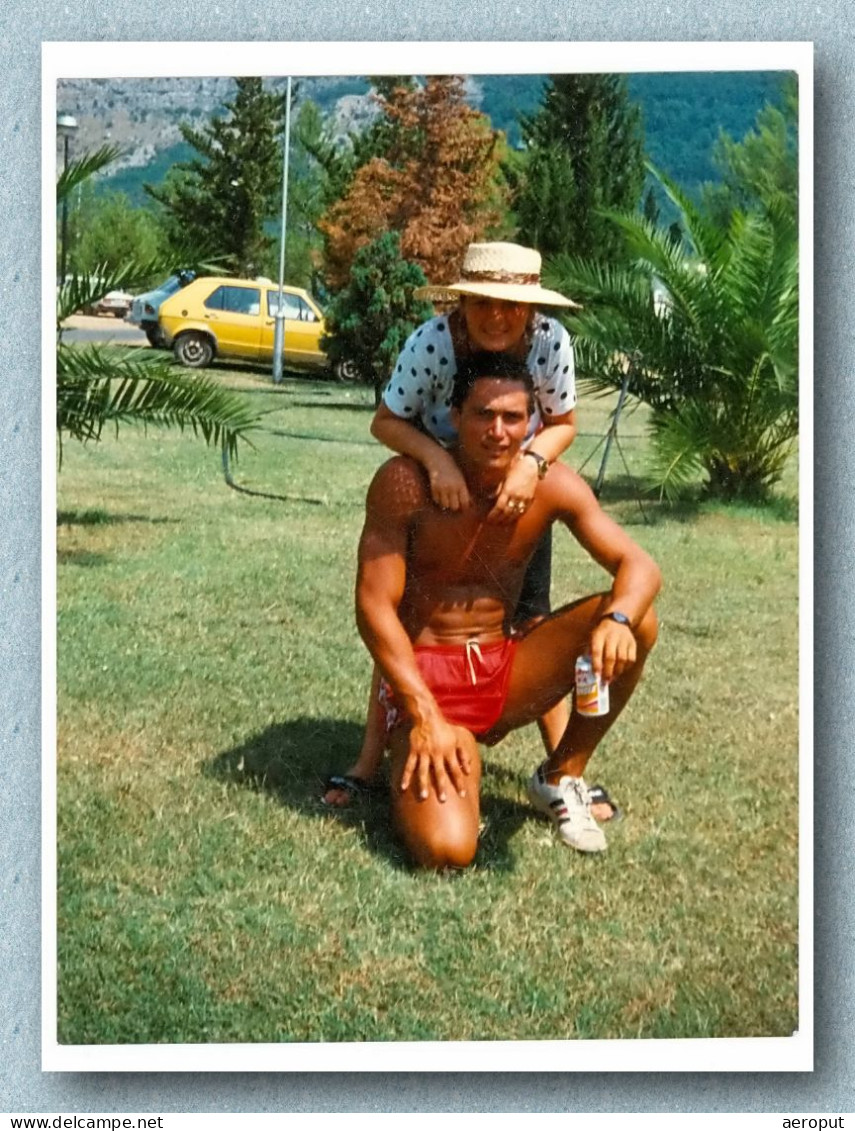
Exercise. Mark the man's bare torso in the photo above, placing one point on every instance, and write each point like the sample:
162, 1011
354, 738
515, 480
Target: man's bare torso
464, 573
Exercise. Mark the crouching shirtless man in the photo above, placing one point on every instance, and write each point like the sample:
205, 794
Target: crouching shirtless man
435, 592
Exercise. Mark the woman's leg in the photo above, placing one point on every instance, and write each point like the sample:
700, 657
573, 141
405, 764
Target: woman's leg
368, 761
533, 605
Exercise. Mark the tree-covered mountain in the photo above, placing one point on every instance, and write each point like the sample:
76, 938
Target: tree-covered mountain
683, 113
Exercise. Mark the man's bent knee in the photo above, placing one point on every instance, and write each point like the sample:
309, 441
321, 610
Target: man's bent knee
439, 853
437, 839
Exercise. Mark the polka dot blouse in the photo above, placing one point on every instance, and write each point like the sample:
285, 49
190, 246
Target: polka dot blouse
420, 386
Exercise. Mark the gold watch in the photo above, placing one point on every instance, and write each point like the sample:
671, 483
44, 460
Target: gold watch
541, 461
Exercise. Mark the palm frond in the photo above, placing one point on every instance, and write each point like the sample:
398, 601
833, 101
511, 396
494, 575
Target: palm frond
98, 385
707, 240
718, 354
82, 168
77, 291
677, 463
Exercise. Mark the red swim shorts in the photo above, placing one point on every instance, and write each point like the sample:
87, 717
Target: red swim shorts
469, 682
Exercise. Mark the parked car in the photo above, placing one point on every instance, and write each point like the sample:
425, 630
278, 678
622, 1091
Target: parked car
221, 317
145, 307
117, 303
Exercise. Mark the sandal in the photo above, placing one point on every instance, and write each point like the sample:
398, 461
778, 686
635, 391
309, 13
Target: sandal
599, 796
356, 789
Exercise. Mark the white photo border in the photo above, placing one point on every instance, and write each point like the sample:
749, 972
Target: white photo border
65, 60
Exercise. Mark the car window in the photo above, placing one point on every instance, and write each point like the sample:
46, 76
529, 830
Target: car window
236, 300
294, 306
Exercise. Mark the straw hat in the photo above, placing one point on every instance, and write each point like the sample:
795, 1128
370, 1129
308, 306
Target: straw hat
499, 270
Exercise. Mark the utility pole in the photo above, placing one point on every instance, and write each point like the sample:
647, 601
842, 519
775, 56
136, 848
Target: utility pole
66, 124
279, 325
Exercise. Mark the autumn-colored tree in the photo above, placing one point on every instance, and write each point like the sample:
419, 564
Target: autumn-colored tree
437, 184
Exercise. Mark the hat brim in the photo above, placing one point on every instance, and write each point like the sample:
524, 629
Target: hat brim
531, 293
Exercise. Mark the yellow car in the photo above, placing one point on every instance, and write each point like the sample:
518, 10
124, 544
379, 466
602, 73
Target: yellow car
220, 317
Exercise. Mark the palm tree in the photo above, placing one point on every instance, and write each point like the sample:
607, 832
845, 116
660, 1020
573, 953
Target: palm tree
714, 321
98, 385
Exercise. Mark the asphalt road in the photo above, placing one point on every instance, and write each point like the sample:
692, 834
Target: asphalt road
97, 328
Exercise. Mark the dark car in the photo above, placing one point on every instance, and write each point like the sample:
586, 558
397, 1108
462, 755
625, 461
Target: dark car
144, 308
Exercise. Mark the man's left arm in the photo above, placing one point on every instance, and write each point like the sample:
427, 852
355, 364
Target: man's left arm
636, 578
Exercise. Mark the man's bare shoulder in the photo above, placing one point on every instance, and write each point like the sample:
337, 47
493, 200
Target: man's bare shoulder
399, 487
566, 491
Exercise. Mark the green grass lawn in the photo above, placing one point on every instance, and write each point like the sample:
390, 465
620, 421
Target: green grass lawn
210, 673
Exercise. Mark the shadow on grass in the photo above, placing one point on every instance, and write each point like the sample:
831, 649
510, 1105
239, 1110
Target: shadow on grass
343, 406
369, 442
290, 761
83, 558
225, 365
292, 386
98, 517
635, 490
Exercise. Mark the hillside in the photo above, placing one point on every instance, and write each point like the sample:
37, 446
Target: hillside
683, 114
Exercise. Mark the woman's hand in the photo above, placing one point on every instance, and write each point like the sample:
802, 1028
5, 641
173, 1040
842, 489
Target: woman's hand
447, 486
516, 491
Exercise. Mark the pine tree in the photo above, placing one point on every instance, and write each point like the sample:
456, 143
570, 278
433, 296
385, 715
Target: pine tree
108, 232
436, 183
369, 320
762, 170
219, 201
650, 209
98, 385
584, 152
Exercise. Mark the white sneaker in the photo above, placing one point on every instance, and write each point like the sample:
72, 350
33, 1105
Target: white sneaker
568, 805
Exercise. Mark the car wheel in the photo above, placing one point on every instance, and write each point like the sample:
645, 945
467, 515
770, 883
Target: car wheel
346, 371
193, 350
154, 338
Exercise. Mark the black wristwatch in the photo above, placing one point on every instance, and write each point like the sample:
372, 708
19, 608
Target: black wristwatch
541, 461
618, 618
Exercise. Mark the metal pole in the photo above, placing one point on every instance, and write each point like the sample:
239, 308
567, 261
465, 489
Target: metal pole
612, 432
279, 327
63, 237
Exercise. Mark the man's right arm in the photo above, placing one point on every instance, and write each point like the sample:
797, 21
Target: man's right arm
396, 495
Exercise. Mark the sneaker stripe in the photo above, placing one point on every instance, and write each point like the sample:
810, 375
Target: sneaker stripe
568, 804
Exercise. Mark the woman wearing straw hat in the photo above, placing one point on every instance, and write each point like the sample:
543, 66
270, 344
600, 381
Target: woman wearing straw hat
499, 296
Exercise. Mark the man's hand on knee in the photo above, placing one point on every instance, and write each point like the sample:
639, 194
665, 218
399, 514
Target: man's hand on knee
438, 752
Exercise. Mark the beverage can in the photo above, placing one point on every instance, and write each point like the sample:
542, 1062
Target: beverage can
592, 695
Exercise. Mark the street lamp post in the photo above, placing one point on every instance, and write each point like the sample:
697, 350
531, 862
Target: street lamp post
279, 325
66, 124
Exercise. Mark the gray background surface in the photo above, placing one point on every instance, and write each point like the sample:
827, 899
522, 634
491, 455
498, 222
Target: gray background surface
22, 28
